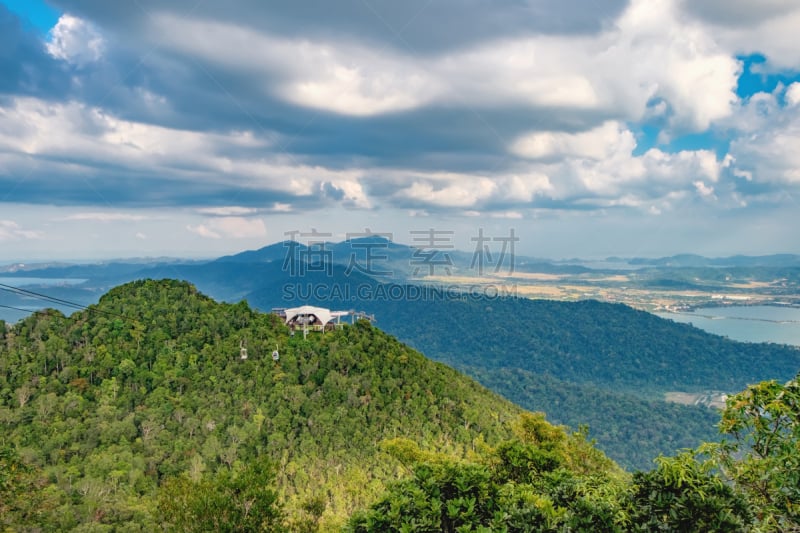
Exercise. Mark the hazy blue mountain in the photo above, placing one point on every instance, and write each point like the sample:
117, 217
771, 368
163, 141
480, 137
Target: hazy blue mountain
272, 252
389, 261
552, 268
692, 260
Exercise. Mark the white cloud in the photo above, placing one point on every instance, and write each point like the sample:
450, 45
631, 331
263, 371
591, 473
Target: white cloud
343, 78
703, 189
349, 191
582, 93
655, 173
652, 51
768, 150
518, 120
598, 143
658, 53
227, 211
681, 167
348, 84
76, 131
528, 71
11, 231
793, 94
75, 140
595, 168
75, 41
523, 187
280, 207
447, 190
745, 27
230, 228
511, 215
240, 228
204, 231
598, 167
97, 216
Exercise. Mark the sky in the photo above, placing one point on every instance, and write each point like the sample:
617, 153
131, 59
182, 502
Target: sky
196, 129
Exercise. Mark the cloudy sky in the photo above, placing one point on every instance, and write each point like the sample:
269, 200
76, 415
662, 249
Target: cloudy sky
592, 128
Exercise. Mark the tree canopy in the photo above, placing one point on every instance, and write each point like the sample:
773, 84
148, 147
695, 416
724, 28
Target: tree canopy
148, 386
139, 414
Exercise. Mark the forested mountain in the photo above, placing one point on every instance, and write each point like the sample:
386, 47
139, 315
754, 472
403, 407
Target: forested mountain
632, 430
149, 385
162, 409
588, 352
607, 345
605, 365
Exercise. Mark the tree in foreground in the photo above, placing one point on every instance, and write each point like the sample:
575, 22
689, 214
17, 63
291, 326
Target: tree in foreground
749, 482
763, 459
683, 494
543, 480
241, 500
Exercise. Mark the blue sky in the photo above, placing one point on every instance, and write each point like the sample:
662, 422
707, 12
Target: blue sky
35, 12
641, 127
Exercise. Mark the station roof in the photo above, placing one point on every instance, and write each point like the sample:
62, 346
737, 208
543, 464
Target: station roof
323, 315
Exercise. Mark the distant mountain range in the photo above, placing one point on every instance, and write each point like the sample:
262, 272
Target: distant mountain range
690, 260
401, 259
236, 276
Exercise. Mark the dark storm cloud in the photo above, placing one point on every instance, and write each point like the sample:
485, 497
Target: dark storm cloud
122, 188
422, 25
433, 137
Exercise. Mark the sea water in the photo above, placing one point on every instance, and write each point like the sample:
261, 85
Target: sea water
752, 323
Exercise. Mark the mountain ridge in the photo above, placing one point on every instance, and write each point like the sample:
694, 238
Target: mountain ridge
149, 384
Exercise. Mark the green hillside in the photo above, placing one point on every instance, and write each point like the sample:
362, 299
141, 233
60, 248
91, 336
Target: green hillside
140, 414
605, 365
149, 385
587, 362
629, 429
607, 345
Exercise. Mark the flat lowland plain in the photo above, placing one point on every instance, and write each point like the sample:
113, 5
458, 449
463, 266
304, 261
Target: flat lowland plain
659, 290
